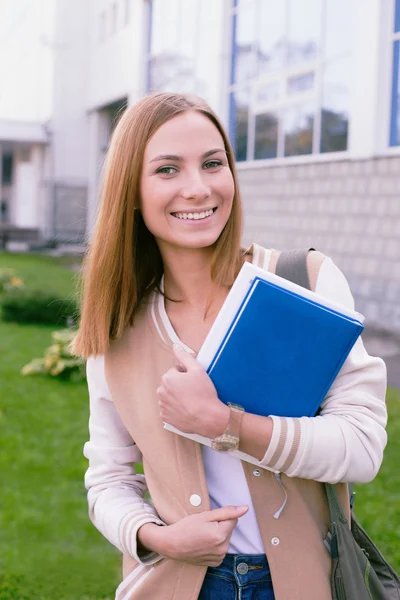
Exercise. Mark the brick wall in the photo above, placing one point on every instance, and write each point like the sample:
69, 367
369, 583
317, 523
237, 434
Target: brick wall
350, 210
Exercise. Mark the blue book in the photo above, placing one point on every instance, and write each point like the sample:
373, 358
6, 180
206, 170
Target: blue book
275, 347
281, 352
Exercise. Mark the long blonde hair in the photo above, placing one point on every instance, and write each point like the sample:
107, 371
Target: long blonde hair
123, 262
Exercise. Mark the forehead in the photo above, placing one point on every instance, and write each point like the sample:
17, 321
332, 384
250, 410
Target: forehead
188, 133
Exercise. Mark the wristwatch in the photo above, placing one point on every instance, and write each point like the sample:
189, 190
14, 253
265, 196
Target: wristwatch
229, 440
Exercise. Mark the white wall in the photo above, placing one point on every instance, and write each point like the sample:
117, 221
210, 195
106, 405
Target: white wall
116, 62
71, 71
26, 66
28, 179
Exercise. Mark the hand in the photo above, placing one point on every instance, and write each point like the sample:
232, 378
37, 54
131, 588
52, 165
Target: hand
188, 399
199, 539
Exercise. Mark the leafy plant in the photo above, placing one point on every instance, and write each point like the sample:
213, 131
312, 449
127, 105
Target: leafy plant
36, 306
9, 281
58, 360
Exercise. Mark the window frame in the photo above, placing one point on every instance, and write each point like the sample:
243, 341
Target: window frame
395, 77
385, 110
286, 101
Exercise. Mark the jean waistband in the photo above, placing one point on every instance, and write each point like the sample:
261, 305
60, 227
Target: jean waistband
243, 568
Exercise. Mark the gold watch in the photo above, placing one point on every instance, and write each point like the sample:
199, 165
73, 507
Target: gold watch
229, 440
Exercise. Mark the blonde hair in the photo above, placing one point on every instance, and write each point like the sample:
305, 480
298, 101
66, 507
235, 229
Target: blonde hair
123, 262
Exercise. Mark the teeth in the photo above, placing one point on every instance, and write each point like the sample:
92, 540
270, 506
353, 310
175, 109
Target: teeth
194, 216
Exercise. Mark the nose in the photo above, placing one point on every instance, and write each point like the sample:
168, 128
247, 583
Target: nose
195, 188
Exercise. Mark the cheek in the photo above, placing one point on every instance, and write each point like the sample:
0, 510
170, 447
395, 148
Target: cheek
151, 200
227, 188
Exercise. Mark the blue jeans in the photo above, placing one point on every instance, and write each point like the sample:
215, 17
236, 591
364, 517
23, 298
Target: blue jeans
239, 577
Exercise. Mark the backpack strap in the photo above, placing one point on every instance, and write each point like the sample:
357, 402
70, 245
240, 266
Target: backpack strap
292, 265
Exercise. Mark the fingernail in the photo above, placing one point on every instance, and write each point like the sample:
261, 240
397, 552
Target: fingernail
178, 347
242, 507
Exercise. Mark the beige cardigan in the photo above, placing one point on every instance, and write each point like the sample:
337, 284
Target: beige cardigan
294, 543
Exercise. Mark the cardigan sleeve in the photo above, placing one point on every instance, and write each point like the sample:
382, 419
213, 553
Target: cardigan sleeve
116, 492
346, 441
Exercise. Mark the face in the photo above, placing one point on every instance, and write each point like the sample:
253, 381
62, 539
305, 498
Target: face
187, 186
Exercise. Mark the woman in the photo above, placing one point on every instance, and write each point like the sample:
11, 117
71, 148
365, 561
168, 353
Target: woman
164, 255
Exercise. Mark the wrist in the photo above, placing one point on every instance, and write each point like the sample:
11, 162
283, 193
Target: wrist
218, 421
150, 538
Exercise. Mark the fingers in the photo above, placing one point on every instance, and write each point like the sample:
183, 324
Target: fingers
185, 359
227, 513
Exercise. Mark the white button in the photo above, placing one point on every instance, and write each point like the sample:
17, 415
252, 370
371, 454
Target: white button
256, 472
275, 541
195, 500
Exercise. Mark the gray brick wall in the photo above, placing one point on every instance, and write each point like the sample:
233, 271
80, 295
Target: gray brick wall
350, 210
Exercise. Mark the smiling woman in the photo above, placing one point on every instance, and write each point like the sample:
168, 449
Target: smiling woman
187, 194
164, 256
169, 156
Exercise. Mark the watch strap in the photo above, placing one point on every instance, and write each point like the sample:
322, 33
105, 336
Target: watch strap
229, 440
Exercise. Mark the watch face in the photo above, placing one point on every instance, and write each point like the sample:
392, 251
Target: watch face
225, 443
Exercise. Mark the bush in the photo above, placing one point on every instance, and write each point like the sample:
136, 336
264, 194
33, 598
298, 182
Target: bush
58, 360
38, 307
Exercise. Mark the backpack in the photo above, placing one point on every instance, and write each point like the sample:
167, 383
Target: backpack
359, 570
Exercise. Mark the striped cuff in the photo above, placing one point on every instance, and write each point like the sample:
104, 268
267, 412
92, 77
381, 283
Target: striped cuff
129, 528
287, 439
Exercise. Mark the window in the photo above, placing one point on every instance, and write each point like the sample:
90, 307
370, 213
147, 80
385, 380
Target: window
395, 112
290, 77
182, 57
7, 169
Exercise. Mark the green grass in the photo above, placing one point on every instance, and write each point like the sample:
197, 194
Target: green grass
378, 503
49, 550
48, 547
41, 272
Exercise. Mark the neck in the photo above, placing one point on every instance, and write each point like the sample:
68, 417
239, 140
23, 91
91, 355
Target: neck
187, 275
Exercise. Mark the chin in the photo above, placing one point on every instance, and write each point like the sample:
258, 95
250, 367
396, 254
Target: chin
193, 242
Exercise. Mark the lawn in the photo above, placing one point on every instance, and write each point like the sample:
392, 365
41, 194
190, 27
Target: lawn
48, 548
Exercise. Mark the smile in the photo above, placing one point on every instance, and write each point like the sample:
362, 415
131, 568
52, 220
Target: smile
194, 216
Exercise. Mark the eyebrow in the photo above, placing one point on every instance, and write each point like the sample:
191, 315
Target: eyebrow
180, 158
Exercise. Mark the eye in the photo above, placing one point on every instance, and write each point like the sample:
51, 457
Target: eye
212, 164
167, 170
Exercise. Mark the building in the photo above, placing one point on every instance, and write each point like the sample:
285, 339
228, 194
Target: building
23, 194
309, 91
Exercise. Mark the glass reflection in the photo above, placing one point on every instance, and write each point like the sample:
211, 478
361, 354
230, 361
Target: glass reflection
339, 28
208, 49
335, 105
245, 59
305, 21
268, 92
298, 127
397, 16
300, 83
395, 120
270, 37
240, 120
266, 136
173, 45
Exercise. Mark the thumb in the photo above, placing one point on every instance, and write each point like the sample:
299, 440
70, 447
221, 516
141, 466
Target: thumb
184, 358
227, 513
